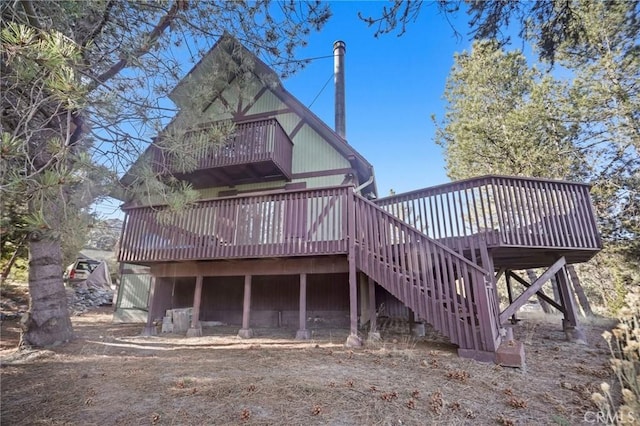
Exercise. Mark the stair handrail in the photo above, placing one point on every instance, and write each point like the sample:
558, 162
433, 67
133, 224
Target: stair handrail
438, 244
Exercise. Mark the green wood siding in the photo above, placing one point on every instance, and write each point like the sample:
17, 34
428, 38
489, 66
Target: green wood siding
312, 153
267, 102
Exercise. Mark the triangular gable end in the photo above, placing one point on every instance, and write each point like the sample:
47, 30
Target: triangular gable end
266, 83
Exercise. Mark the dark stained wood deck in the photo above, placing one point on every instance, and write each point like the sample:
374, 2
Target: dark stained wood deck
524, 222
282, 224
256, 152
434, 249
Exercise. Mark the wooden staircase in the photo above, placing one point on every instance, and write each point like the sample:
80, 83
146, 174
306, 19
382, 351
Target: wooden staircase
443, 288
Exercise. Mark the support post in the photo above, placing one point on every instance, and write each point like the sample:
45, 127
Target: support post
570, 321
150, 328
353, 340
557, 296
507, 277
373, 319
365, 314
582, 297
412, 320
196, 328
303, 333
245, 332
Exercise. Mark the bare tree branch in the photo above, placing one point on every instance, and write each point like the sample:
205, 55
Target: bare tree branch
148, 42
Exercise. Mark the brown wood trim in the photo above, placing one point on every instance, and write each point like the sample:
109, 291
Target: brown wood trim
226, 268
264, 115
253, 101
320, 173
128, 271
287, 187
296, 129
295, 185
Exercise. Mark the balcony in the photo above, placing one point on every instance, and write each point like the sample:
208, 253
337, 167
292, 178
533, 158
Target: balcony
256, 152
526, 222
291, 223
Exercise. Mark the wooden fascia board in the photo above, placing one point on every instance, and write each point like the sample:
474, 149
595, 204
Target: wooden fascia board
226, 268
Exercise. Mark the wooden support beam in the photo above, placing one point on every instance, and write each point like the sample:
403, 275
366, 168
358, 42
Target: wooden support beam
507, 277
303, 333
412, 320
373, 325
365, 313
568, 303
196, 329
353, 340
226, 268
531, 290
246, 332
353, 297
150, 328
540, 293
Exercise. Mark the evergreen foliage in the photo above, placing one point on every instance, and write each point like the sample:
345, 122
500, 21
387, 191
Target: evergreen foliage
84, 90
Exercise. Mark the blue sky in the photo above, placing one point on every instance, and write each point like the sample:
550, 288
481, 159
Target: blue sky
393, 86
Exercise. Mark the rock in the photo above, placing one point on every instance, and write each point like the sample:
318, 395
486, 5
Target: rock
80, 300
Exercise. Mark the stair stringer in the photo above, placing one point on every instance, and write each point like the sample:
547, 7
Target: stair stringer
439, 285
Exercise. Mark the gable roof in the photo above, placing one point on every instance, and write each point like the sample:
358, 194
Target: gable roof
227, 43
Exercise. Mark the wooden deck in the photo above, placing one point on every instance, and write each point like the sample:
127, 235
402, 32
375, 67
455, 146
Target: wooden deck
525, 222
282, 224
435, 250
257, 151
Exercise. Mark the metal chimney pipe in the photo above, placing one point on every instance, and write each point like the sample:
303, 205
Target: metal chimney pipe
339, 49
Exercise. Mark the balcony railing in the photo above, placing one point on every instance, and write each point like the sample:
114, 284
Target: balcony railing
506, 211
256, 149
295, 223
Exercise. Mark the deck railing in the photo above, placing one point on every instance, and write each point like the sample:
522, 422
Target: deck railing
440, 286
508, 211
251, 142
294, 223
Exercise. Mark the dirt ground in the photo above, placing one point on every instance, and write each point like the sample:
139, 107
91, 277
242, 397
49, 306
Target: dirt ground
110, 375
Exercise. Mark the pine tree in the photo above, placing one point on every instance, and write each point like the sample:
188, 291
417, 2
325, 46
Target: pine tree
84, 89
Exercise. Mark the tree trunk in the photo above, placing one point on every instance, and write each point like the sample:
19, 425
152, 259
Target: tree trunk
543, 304
48, 320
582, 297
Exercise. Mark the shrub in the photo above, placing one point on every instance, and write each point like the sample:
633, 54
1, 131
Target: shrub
624, 344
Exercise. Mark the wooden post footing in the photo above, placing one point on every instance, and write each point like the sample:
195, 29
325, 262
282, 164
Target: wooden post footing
245, 333
194, 331
353, 341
